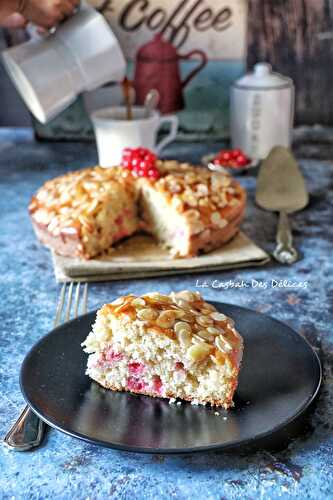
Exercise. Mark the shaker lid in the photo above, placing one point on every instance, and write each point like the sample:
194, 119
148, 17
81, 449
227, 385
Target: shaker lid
157, 49
263, 78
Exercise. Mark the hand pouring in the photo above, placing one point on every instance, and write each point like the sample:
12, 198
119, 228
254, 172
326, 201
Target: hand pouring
281, 188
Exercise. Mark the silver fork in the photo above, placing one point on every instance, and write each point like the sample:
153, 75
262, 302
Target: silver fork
28, 431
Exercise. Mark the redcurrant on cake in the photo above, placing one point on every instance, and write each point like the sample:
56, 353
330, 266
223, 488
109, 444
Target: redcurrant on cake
170, 346
187, 209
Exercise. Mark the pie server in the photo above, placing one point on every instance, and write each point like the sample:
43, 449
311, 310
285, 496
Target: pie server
281, 188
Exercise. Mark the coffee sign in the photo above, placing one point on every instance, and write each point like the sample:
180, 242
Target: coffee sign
216, 27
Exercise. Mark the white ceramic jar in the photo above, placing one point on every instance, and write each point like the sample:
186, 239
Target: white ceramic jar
262, 111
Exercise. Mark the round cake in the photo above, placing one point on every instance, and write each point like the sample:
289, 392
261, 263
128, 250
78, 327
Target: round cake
187, 209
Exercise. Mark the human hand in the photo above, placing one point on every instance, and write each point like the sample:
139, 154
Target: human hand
47, 13
15, 20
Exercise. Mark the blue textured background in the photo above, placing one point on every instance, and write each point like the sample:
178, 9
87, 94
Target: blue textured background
67, 468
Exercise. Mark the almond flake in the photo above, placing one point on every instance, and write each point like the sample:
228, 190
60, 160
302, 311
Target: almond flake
204, 320
187, 295
205, 335
138, 302
147, 314
202, 189
216, 316
182, 326
198, 352
166, 319
222, 344
184, 338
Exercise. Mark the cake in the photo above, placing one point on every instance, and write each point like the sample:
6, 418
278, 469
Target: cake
170, 346
188, 209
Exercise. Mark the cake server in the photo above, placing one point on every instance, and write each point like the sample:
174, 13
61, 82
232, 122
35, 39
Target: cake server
281, 188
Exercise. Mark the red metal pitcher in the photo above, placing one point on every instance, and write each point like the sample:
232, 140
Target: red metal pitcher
157, 67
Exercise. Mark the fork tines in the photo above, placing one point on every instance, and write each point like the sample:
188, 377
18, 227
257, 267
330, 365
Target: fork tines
66, 298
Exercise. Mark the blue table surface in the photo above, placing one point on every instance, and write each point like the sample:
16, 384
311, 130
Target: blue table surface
68, 468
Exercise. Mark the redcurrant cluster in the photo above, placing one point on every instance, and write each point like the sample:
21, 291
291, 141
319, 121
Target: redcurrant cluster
233, 158
141, 162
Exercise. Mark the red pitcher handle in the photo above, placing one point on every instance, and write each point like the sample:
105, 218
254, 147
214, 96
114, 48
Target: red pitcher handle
198, 68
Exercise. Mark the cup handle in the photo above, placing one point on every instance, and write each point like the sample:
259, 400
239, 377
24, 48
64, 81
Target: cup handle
173, 120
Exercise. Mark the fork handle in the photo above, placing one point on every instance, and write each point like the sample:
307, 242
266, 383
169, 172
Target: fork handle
27, 432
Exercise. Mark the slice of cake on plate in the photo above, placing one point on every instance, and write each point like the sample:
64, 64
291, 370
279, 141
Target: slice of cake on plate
170, 346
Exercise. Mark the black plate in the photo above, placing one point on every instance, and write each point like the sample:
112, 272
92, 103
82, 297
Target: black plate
280, 376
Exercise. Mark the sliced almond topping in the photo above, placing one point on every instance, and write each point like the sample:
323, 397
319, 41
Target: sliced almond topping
86, 223
222, 203
138, 302
198, 352
184, 338
158, 297
203, 202
166, 319
182, 326
190, 177
191, 200
187, 295
147, 314
204, 320
217, 220
204, 334
213, 331
182, 303
180, 313
202, 189
217, 316
222, 344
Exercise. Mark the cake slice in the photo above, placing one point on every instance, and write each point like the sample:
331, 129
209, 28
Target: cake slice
191, 209
170, 346
84, 213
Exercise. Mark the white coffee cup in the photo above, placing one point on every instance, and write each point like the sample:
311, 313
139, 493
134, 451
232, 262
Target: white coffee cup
114, 132
51, 71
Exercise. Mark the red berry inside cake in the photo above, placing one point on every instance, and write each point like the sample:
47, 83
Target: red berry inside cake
170, 346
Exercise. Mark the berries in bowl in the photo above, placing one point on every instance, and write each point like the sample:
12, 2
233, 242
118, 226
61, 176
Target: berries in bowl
228, 159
